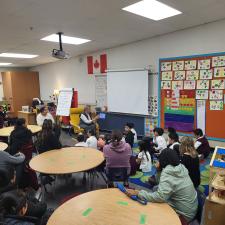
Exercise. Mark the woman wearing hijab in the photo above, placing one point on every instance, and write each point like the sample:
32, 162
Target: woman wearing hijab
175, 186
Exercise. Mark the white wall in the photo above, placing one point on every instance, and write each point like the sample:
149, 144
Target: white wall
7, 69
207, 38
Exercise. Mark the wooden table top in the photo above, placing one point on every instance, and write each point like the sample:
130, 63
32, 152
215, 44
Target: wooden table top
3, 146
111, 206
67, 160
6, 131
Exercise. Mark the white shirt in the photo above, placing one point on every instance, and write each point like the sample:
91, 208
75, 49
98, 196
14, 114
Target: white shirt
85, 119
41, 118
92, 142
146, 164
135, 135
198, 143
81, 144
161, 142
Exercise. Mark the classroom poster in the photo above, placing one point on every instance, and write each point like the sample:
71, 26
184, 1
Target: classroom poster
167, 75
189, 84
202, 94
165, 84
219, 72
206, 74
217, 84
203, 84
216, 95
178, 65
179, 75
190, 65
177, 85
150, 124
218, 61
204, 64
153, 105
216, 105
166, 66
192, 75
201, 114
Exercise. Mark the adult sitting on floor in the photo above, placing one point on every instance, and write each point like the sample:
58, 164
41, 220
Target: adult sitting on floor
86, 122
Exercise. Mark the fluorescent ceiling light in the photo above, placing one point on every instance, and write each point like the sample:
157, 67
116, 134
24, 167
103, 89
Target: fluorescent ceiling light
65, 39
5, 64
152, 9
16, 55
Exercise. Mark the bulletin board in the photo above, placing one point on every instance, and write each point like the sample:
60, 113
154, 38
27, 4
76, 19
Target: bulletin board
192, 94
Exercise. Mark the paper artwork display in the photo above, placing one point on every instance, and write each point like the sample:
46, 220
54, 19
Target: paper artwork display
189, 84
179, 75
192, 75
204, 64
216, 105
217, 84
167, 75
218, 61
203, 84
178, 65
166, 84
202, 94
177, 85
153, 105
216, 95
219, 72
206, 74
166, 66
201, 114
190, 65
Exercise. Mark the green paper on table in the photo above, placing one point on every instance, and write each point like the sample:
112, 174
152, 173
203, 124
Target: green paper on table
143, 219
122, 203
86, 212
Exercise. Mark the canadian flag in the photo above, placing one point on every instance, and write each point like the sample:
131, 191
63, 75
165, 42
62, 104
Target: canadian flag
97, 65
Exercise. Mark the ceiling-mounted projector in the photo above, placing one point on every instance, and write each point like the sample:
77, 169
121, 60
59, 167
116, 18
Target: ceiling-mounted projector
59, 53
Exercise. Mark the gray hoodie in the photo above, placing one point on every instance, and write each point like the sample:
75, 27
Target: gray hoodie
175, 188
7, 160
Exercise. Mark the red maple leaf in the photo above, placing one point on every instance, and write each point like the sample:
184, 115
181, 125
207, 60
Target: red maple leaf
96, 64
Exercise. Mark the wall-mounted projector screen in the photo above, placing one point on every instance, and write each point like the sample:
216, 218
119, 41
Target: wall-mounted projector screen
127, 91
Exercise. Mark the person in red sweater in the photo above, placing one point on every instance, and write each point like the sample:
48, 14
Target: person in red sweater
201, 144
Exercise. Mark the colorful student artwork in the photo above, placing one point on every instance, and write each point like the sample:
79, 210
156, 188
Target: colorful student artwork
218, 61
179, 75
217, 84
167, 75
192, 75
204, 64
153, 105
165, 84
219, 72
178, 65
189, 84
206, 74
203, 84
150, 124
166, 66
216, 105
216, 95
177, 85
202, 94
190, 65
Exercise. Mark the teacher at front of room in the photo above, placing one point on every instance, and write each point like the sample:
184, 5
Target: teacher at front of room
86, 122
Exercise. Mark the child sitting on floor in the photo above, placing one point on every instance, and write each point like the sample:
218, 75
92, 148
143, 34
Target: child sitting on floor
92, 140
81, 141
101, 142
144, 158
159, 140
173, 141
129, 135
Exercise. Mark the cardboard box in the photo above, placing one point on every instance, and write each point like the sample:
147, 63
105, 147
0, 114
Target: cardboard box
214, 214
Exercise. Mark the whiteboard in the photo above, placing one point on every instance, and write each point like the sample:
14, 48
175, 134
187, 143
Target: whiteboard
127, 91
64, 102
101, 90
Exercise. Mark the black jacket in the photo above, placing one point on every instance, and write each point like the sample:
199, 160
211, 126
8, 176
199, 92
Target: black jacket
129, 138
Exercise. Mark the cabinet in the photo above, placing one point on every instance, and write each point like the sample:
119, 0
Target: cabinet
20, 88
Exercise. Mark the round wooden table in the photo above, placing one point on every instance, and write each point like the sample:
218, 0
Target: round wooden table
6, 131
3, 146
111, 206
67, 160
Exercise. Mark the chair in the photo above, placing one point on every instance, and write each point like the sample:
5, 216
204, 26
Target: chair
117, 174
75, 119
